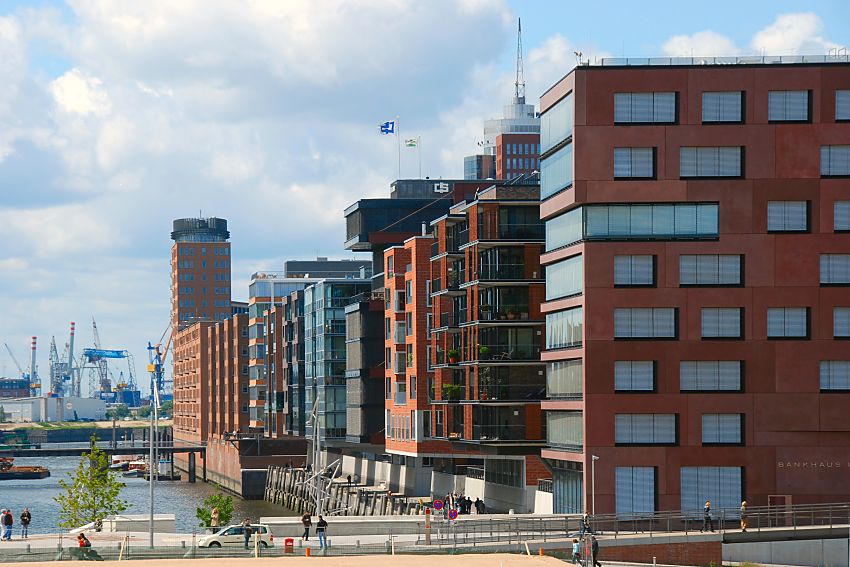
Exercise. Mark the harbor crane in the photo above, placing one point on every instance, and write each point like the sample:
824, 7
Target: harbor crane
17, 364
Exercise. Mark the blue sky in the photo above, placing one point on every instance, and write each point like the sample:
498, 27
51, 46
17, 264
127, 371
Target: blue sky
116, 117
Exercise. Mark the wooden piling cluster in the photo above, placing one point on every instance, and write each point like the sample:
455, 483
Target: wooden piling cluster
287, 487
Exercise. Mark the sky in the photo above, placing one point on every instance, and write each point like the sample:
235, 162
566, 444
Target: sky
117, 117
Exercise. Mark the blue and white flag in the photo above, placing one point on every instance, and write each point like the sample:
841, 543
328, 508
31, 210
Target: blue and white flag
388, 127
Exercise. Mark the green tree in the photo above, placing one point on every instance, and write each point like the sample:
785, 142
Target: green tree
223, 502
144, 411
91, 492
118, 412
166, 407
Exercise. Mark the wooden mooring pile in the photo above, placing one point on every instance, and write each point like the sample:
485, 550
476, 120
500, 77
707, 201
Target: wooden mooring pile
288, 487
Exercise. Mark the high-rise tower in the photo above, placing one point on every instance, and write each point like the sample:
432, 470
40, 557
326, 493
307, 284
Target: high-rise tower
200, 270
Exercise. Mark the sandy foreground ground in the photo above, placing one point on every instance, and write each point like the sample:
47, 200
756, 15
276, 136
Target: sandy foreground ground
462, 560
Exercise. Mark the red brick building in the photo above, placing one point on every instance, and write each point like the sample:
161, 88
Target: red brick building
517, 154
696, 284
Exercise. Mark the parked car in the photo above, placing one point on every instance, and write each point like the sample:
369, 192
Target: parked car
234, 536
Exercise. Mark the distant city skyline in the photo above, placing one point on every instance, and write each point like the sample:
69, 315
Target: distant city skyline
116, 119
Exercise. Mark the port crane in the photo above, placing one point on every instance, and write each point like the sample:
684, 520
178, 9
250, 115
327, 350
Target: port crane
101, 377
21, 371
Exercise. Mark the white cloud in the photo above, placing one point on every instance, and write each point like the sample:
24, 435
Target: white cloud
701, 44
77, 93
793, 34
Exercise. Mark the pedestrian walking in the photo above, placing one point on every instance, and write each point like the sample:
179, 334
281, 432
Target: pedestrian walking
214, 517
594, 548
7, 525
744, 521
247, 531
321, 526
26, 518
576, 552
477, 505
707, 521
585, 525
306, 522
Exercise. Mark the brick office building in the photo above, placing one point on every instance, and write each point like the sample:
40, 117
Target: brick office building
694, 262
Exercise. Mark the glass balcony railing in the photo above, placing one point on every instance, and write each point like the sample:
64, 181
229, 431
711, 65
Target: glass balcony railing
453, 318
505, 352
498, 432
400, 398
502, 312
511, 392
511, 231
502, 272
453, 392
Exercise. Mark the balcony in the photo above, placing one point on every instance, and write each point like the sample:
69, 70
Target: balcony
511, 392
496, 353
452, 393
400, 363
504, 312
450, 284
400, 398
523, 232
498, 432
453, 318
512, 272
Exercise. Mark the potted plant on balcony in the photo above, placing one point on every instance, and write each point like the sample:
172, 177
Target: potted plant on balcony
512, 313
451, 392
454, 356
483, 352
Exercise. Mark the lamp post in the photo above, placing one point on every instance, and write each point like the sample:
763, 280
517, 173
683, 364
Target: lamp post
593, 459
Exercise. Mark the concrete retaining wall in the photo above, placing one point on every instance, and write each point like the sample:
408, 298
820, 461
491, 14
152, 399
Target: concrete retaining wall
827, 552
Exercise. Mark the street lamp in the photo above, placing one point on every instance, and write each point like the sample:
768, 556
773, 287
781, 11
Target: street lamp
593, 459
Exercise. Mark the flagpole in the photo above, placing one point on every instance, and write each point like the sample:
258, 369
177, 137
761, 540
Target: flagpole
419, 151
398, 139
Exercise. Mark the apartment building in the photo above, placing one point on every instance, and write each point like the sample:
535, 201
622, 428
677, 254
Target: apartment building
696, 283
227, 397
191, 386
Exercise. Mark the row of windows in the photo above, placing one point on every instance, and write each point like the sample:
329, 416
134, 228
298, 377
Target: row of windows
661, 429
526, 149
191, 263
636, 489
564, 329
673, 221
189, 251
694, 375
721, 107
708, 162
522, 163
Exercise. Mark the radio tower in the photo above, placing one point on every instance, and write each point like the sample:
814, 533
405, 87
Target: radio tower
519, 85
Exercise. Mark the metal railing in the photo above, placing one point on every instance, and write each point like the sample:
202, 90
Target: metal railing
744, 60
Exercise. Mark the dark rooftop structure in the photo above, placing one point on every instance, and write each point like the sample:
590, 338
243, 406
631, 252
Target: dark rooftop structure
321, 267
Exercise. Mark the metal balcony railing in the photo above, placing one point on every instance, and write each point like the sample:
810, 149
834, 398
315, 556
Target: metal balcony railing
453, 318
498, 432
511, 392
504, 352
502, 272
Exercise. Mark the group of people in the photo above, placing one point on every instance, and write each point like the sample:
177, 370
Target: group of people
7, 521
708, 521
321, 529
594, 551
463, 504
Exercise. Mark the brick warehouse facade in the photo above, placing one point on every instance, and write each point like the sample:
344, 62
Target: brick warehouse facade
695, 264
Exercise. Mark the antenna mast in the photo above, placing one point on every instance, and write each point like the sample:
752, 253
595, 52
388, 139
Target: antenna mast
519, 85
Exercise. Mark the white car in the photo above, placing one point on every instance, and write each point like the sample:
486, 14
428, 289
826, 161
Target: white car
234, 536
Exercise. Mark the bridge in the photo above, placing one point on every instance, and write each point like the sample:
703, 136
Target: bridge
141, 449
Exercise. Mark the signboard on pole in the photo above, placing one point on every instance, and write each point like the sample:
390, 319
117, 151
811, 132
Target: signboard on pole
438, 504
452, 514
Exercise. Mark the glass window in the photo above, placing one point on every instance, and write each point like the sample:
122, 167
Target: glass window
842, 105
556, 124
556, 172
788, 106
634, 270
710, 375
564, 430
564, 329
835, 375
644, 323
635, 163
635, 490
841, 221
721, 485
564, 230
787, 216
645, 428
721, 429
565, 278
721, 322
835, 161
721, 106
841, 322
835, 269
644, 108
634, 375
710, 162
651, 221
564, 379
787, 322
710, 269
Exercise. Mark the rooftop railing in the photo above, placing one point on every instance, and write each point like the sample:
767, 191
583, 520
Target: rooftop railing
834, 57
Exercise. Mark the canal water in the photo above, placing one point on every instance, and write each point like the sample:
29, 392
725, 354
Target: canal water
170, 497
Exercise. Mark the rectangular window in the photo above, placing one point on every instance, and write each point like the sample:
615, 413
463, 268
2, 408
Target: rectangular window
564, 230
645, 108
635, 490
710, 375
426, 424
634, 163
565, 278
556, 172
651, 221
634, 270
842, 105
787, 216
721, 322
564, 379
835, 375
841, 322
835, 161
722, 429
645, 429
788, 106
412, 390
841, 216
564, 430
835, 269
710, 269
787, 322
564, 329
722, 107
556, 124
711, 161
645, 323
634, 375
723, 486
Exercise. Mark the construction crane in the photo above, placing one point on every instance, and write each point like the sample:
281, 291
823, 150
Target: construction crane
17, 364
